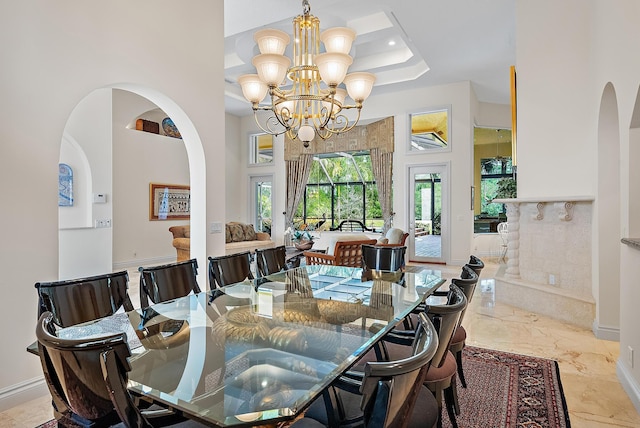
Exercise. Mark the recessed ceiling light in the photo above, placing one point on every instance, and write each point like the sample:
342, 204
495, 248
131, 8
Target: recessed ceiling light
392, 42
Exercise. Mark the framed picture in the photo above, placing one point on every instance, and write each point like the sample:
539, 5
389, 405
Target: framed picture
169, 202
65, 185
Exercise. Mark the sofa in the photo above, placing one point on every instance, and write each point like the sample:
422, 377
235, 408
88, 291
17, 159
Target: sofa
239, 237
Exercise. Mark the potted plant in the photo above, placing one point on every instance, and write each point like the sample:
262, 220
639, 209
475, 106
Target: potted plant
507, 188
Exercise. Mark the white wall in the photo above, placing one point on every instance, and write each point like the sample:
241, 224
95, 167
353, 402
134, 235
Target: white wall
556, 114
54, 56
141, 158
83, 249
616, 43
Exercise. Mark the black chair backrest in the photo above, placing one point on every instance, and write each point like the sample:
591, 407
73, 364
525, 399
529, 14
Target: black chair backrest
383, 258
87, 378
446, 319
225, 270
270, 260
389, 389
167, 282
467, 283
76, 301
476, 264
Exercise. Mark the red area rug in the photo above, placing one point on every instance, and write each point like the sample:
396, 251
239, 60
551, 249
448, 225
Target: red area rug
509, 390
504, 390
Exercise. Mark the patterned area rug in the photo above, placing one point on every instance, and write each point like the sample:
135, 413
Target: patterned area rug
504, 390
509, 390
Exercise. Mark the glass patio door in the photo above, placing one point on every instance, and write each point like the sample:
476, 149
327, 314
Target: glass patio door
262, 203
428, 221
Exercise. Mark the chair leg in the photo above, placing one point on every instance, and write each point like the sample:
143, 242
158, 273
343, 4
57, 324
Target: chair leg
454, 395
463, 382
450, 404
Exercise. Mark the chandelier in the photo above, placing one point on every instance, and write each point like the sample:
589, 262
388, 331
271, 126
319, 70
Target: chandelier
312, 103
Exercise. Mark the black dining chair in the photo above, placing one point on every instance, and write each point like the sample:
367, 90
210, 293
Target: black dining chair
467, 283
229, 269
75, 301
441, 377
88, 379
383, 258
476, 264
384, 394
270, 260
168, 282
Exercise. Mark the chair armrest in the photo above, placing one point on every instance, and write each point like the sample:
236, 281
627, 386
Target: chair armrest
315, 258
263, 236
182, 243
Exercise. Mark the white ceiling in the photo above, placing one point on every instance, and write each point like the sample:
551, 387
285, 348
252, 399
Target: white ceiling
436, 41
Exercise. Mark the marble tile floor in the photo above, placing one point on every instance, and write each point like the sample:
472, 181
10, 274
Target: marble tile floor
587, 365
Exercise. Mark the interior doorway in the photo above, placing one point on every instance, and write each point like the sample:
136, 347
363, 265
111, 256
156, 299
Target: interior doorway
428, 213
262, 202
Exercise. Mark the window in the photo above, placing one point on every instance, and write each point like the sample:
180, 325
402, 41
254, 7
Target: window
341, 186
430, 131
492, 171
260, 149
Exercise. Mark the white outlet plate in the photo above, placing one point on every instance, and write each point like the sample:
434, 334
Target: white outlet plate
215, 227
103, 223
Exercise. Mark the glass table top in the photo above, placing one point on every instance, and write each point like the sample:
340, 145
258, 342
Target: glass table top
260, 351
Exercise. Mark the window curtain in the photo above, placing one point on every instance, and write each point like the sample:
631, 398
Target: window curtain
297, 176
382, 166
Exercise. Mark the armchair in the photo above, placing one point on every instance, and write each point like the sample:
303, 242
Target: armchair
345, 253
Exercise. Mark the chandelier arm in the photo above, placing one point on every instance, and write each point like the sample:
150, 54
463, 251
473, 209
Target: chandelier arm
267, 128
339, 119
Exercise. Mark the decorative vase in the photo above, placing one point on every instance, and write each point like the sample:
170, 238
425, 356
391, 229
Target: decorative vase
170, 128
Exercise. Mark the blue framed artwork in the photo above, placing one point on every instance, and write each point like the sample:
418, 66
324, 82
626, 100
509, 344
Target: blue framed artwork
65, 185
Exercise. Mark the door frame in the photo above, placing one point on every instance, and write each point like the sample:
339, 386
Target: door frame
444, 169
253, 207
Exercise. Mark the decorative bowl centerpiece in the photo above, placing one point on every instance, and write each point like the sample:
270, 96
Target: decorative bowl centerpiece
303, 244
302, 240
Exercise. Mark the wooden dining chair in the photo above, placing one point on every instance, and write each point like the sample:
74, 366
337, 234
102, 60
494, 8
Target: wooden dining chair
270, 260
88, 379
345, 253
168, 282
384, 394
75, 301
229, 269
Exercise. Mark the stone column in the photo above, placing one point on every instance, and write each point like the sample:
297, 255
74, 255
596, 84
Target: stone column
513, 240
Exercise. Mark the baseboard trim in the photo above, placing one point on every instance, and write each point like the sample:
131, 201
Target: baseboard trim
606, 333
136, 263
629, 384
22, 392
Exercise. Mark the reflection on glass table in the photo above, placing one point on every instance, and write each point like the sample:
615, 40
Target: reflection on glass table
260, 351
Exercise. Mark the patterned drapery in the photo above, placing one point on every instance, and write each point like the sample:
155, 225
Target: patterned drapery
382, 166
297, 176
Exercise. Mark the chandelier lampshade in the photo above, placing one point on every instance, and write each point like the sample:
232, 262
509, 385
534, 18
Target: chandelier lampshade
306, 99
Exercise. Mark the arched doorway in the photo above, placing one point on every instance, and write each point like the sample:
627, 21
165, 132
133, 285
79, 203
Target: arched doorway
99, 239
607, 220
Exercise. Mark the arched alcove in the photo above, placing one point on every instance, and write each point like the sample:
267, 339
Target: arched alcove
607, 220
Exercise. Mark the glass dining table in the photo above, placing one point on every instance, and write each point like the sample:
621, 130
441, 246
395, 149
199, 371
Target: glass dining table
259, 352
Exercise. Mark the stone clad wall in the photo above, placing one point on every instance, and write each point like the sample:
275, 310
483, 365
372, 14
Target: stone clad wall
549, 259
